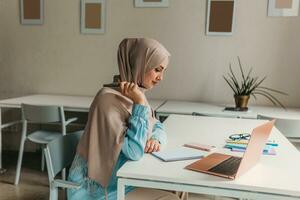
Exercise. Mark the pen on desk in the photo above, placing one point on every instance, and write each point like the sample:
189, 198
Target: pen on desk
202, 147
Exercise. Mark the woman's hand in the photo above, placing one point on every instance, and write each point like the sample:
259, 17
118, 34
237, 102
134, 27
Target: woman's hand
152, 145
132, 91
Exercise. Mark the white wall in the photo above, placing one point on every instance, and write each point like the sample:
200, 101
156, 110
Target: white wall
56, 58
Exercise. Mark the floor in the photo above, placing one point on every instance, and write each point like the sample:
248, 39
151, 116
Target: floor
34, 183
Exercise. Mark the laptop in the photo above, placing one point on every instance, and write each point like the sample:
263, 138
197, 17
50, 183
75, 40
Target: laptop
231, 167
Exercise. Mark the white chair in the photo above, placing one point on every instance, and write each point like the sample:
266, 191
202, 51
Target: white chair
42, 115
59, 154
290, 128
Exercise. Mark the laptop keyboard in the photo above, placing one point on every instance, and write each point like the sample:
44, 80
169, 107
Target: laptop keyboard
227, 167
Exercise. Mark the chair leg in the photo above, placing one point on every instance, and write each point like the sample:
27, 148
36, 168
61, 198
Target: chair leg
43, 160
63, 174
21, 150
53, 194
184, 196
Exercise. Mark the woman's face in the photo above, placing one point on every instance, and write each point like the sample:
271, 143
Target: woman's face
154, 76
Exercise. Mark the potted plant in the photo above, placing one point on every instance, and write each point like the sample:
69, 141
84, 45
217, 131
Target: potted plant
247, 85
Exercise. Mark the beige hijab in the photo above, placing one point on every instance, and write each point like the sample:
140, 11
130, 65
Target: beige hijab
104, 134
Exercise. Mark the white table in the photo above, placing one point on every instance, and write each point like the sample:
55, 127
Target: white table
70, 103
274, 177
187, 108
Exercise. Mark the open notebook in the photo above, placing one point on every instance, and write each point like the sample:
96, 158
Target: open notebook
180, 153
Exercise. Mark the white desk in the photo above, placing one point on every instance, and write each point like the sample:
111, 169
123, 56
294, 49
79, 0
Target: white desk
187, 108
274, 177
70, 103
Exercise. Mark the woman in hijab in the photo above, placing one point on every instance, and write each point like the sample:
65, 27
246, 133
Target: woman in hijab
121, 125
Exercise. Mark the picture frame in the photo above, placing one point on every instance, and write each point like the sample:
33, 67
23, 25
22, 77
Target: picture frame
32, 12
93, 16
220, 17
283, 8
151, 3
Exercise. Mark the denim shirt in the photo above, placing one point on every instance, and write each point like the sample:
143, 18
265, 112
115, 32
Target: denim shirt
132, 149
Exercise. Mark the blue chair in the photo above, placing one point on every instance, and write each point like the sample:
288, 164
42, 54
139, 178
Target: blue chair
59, 154
42, 115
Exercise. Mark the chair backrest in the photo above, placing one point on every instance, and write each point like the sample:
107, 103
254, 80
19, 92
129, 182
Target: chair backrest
60, 152
288, 127
42, 114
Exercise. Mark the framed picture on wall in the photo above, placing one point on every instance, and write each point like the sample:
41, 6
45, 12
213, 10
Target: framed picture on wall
32, 11
151, 3
283, 8
93, 14
220, 18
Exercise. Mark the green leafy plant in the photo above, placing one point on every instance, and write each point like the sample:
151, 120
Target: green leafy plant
251, 85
